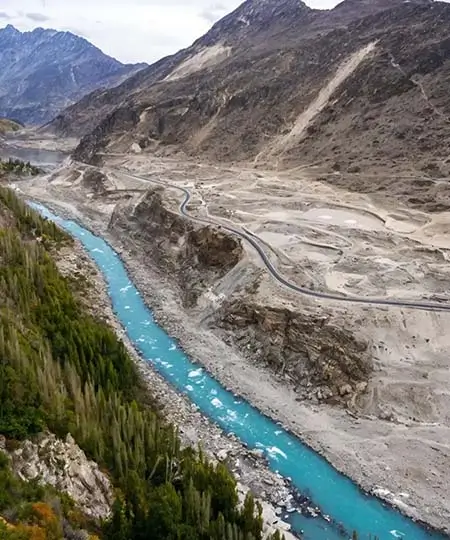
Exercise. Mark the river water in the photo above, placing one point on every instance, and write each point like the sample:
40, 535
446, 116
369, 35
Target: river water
47, 159
334, 493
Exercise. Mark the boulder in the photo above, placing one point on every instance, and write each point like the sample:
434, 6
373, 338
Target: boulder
63, 465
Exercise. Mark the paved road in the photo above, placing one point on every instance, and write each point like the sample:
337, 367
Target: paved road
254, 242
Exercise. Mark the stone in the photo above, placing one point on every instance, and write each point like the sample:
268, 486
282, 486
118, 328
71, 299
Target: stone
29, 471
63, 465
257, 453
136, 148
222, 455
345, 390
70, 440
361, 387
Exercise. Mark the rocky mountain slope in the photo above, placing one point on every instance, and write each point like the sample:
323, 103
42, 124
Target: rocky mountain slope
44, 71
7, 126
359, 87
63, 465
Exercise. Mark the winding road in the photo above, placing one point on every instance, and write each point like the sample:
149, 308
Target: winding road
253, 240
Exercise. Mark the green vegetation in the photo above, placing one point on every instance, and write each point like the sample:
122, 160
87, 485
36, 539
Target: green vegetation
40, 513
9, 125
17, 166
63, 370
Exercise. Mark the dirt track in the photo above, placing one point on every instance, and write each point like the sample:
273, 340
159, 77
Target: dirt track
345, 245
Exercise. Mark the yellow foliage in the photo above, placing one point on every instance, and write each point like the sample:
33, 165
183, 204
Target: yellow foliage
44, 513
32, 532
29, 532
5, 523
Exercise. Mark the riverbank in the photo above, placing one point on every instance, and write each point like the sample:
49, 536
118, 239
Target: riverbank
371, 452
320, 427
195, 429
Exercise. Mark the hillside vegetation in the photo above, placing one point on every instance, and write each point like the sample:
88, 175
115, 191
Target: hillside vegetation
8, 125
36, 512
17, 166
62, 370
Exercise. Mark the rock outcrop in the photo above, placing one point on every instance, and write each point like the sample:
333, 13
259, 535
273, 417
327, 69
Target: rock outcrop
322, 358
218, 283
63, 465
195, 256
95, 181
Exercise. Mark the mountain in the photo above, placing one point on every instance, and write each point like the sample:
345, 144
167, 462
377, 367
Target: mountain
8, 125
45, 71
361, 87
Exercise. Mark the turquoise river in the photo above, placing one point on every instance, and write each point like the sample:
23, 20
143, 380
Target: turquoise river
335, 494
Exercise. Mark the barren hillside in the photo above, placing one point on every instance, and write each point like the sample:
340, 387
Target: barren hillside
361, 87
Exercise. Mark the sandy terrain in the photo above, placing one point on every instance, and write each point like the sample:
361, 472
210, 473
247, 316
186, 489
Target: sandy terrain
204, 58
341, 242
30, 138
305, 119
397, 435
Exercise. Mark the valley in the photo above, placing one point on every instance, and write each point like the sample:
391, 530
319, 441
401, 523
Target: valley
225, 275
365, 385
64, 371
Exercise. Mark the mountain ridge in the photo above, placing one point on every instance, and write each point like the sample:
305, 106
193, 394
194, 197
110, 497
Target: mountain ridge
45, 70
239, 89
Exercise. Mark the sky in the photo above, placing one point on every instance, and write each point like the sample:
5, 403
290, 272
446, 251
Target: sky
129, 30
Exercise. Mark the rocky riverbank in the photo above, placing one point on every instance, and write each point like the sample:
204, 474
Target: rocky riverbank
324, 428
247, 466
382, 452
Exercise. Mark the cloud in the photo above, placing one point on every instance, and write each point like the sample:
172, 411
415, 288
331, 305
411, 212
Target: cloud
4, 15
37, 17
130, 30
209, 16
213, 13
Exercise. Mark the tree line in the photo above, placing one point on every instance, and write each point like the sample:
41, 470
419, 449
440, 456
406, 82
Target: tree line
18, 166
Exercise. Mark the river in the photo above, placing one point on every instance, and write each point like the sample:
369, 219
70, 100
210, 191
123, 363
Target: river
47, 159
334, 493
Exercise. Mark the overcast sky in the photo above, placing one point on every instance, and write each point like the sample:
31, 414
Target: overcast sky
130, 30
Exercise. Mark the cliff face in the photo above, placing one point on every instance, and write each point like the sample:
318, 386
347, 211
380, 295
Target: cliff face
63, 465
320, 356
196, 256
